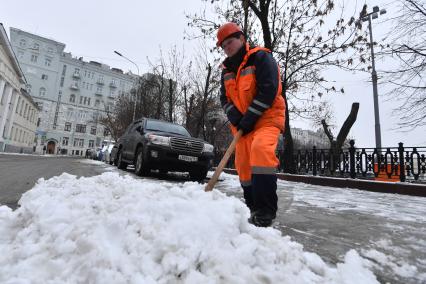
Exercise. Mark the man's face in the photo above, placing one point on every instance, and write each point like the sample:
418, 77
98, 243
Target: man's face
231, 45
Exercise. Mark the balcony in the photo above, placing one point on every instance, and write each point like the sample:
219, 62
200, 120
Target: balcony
98, 93
100, 82
74, 87
76, 75
112, 85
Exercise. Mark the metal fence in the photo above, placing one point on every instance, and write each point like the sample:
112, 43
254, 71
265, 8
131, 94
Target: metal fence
405, 164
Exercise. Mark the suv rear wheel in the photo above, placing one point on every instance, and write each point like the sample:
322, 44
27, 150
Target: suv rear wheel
198, 175
120, 164
140, 166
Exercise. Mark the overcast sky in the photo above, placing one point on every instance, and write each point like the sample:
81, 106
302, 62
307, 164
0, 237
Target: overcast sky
94, 29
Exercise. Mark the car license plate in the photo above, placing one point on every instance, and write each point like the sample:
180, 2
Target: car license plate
187, 158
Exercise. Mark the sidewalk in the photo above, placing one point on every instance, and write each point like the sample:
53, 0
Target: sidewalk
387, 229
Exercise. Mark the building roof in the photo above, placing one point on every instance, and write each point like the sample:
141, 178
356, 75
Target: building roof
4, 40
29, 98
38, 37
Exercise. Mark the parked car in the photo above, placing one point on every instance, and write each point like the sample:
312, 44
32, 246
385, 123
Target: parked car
154, 144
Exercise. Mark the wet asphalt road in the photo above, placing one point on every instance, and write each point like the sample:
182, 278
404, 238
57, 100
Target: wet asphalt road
19, 173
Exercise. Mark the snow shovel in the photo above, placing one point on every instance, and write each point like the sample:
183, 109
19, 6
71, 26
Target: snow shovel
219, 169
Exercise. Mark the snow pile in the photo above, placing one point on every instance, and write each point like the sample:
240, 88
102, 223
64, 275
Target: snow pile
118, 229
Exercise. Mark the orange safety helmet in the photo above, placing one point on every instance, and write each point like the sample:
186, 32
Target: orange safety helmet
225, 31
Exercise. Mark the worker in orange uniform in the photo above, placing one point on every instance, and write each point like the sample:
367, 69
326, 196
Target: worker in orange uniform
251, 98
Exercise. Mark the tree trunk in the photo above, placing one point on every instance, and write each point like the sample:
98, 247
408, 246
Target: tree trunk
347, 125
336, 145
289, 166
170, 100
160, 98
200, 124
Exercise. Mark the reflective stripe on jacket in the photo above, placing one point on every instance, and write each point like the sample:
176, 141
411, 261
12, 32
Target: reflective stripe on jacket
253, 90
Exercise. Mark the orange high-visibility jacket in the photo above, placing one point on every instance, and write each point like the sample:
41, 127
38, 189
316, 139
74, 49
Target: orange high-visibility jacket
254, 91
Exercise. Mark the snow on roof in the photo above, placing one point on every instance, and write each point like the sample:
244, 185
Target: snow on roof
120, 229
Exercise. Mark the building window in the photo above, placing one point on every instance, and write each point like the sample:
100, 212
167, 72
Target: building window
38, 122
80, 128
20, 54
34, 58
67, 126
22, 43
43, 76
64, 70
36, 46
81, 99
88, 101
97, 103
65, 141
17, 105
50, 50
99, 89
70, 113
22, 107
78, 142
106, 132
85, 100
72, 98
93, 130
47, 61
91, 143
42, 92
62, 81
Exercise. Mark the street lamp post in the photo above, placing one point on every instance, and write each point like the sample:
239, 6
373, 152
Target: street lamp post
137, 68
368, 18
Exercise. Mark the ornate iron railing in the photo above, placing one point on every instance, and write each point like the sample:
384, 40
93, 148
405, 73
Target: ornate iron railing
404, 164
385, 164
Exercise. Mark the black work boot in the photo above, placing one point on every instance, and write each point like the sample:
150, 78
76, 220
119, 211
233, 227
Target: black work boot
248, 198
265, 199
262, 220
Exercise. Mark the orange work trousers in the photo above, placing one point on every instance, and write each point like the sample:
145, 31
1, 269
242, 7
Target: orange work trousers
255, 153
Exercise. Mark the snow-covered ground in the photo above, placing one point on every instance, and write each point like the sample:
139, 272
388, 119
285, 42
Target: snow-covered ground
116, 228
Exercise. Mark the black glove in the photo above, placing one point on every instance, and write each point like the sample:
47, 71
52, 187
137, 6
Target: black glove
247, 123
233, 114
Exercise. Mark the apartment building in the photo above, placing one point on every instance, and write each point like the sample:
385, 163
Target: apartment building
18, 111
72, 94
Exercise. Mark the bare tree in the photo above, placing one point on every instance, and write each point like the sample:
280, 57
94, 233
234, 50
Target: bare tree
117, 118
203, 86
407, 44
295, 32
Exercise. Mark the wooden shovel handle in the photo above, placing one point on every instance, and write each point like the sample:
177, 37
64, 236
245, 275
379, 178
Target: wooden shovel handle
219, 169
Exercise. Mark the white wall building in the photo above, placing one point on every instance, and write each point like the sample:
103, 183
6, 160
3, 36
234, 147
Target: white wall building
71, 93
306, 139
18, 112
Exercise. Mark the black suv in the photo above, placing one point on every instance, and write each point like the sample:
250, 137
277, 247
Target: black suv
155, 144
